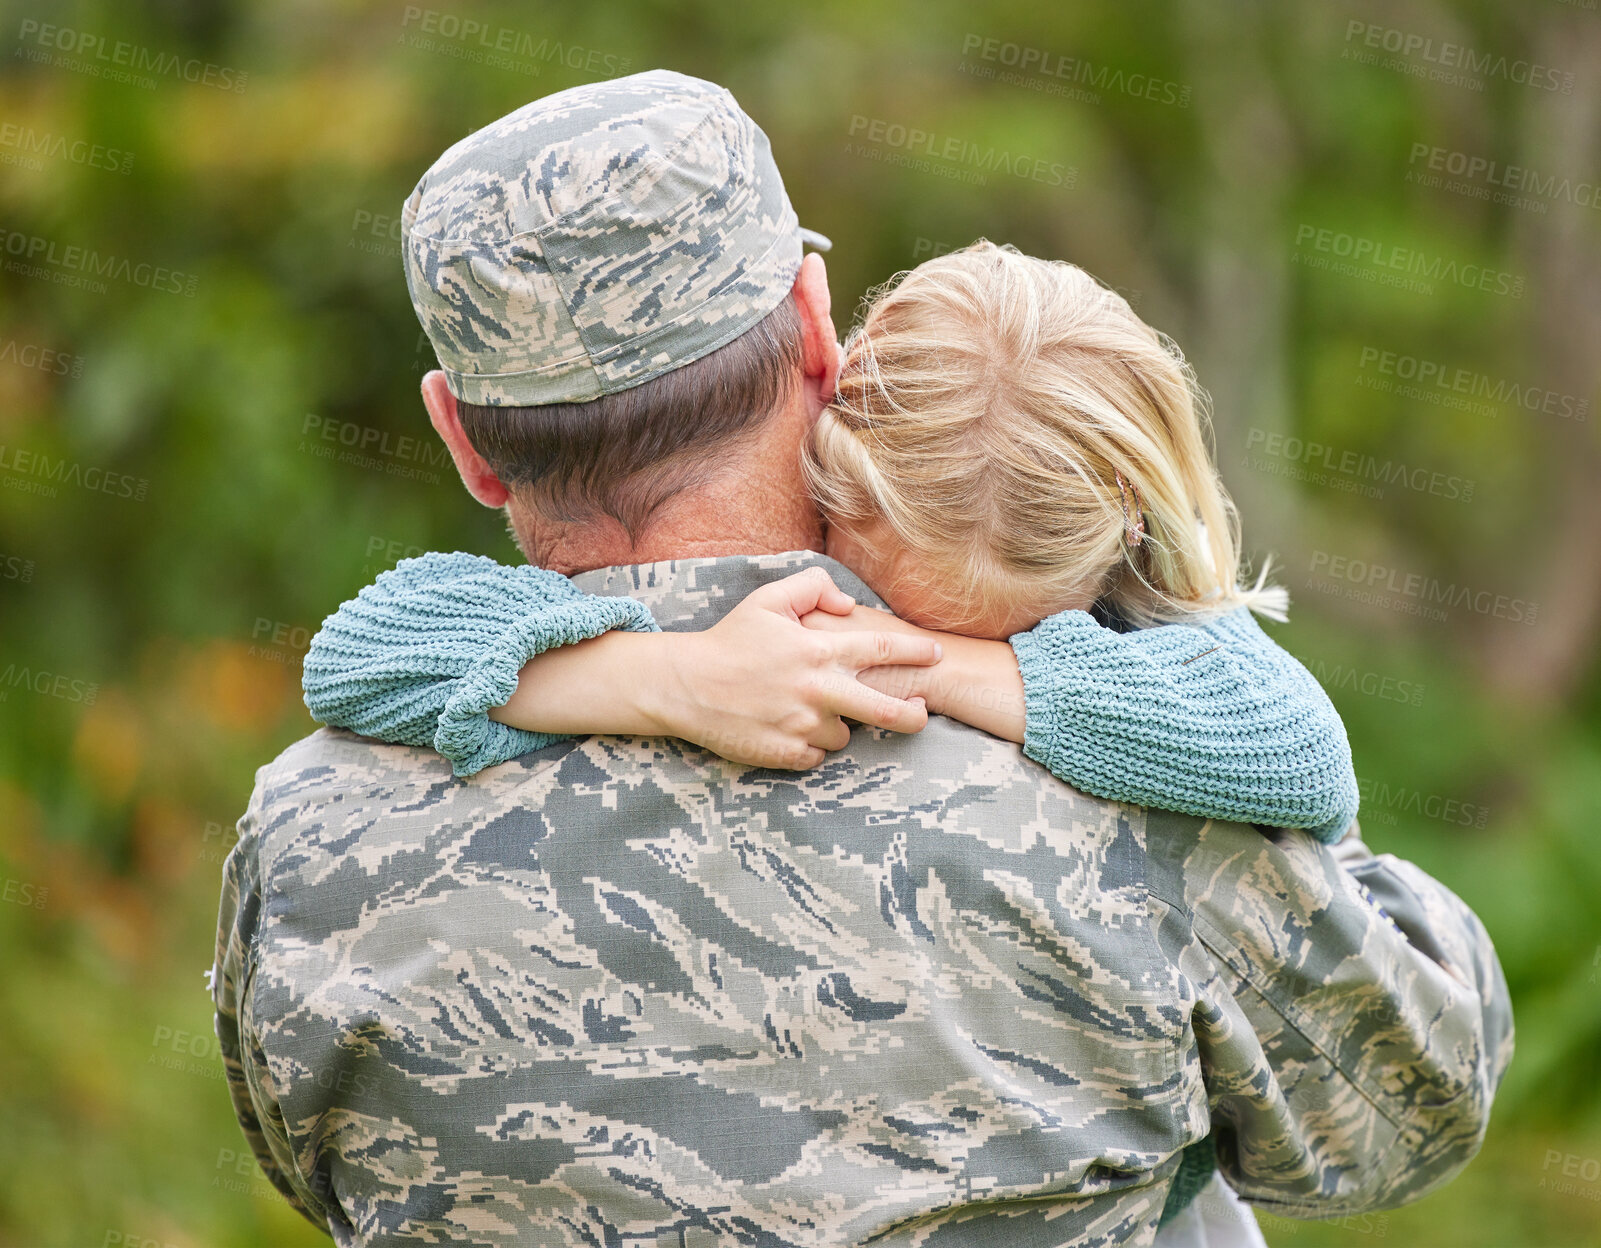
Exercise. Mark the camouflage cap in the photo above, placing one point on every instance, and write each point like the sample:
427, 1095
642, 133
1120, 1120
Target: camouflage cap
597, 238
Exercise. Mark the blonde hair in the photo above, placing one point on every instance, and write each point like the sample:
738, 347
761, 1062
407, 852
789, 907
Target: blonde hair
988, 402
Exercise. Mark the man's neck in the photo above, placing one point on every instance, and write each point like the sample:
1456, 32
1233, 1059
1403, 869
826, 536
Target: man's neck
749, 511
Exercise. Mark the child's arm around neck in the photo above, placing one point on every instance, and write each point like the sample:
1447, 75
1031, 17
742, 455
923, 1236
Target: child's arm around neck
1208, 718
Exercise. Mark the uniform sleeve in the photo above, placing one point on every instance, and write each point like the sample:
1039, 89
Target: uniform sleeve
1208, 719
421, 655
232, 981
1350, 1015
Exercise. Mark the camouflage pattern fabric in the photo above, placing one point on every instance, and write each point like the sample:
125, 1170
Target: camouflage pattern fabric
597, 238
620, 992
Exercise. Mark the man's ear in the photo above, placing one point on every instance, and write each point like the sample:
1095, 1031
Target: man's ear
476, 474
819, 344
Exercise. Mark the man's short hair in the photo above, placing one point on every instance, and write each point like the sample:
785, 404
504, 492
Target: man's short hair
625, 454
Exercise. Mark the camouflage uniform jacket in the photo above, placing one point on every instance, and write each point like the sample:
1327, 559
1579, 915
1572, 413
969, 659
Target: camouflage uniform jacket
621, 992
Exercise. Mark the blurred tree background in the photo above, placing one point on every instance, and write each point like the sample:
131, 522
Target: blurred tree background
1371, 226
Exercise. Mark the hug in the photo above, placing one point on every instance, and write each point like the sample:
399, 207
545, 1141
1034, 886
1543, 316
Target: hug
873, 812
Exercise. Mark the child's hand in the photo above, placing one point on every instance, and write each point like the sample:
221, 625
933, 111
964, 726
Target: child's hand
760, 688
757, 687
897, 681
975, 681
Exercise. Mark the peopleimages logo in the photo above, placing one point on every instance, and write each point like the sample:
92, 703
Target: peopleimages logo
15, 568
383, 233
1416, 593
1413, 376
27, 146
1382, 801
1402, 265
1575, 1175
120, 61
72, 265
364, 446
384, 552
922, 146
45, 359
1455, 64
1046, 64
22, 893
1379, 685
1350, 470
496, 45
1491, 176
35, 472
48, 684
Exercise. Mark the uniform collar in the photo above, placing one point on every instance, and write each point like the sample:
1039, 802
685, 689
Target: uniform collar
690, 594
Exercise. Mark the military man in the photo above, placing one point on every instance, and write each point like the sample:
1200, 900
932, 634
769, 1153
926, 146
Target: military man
619, 991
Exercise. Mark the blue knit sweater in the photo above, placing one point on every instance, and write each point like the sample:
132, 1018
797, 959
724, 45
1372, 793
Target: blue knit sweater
1209, 719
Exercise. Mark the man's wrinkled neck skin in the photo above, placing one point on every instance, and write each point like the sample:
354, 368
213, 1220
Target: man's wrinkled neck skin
753, 501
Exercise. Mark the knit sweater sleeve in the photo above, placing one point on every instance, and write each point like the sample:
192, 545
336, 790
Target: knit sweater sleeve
1208, 719
421, 655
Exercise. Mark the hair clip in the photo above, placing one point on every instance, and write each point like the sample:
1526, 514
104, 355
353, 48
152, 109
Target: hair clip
1133, 511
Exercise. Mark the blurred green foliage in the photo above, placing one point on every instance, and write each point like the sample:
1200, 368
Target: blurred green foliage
172, 527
